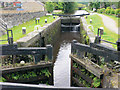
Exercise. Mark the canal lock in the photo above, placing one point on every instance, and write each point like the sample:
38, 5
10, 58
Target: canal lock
60, 36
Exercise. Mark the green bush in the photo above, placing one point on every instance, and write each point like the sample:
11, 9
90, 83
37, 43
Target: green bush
102, 10
117, 11
108, 8
98, 10
107, 11
112, 11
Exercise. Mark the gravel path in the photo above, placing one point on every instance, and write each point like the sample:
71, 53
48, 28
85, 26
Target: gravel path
110, 23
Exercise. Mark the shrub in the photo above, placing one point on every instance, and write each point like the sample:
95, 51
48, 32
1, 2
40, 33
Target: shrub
98, 10
102, 10
117, 11
108, 8
112, 11
107, 11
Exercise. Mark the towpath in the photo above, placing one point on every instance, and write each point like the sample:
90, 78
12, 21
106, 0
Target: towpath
110, 23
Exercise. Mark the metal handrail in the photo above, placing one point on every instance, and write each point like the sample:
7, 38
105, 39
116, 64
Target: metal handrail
4, 26
108, 41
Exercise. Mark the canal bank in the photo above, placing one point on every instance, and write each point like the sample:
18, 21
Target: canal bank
73, 66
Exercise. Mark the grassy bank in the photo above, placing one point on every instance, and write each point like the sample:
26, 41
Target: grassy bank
17, 30
107, 35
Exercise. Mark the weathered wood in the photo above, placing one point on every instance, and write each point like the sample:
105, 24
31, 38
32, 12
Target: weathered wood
32, 79
25, 51
91, 67
8, 47
75, 80
51, 82
86, 78
24, 68
102, 47
49, 52
71, 83
87, 48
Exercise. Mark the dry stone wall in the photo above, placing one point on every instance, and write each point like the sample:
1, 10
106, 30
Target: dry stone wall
19, 18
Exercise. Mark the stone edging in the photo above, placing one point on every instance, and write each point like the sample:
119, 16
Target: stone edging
35, 35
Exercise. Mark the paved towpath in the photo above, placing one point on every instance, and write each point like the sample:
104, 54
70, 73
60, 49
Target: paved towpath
110, 23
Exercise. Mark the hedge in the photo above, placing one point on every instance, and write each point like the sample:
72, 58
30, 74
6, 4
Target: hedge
109, 10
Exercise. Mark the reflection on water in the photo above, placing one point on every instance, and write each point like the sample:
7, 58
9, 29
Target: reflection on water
61, 54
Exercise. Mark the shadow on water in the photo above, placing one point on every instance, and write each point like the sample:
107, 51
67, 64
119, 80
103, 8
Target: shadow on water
61, 52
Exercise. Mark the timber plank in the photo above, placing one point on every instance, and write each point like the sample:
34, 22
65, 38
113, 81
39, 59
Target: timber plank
32, 79
77, 82
91, 67
23, 68
86, 78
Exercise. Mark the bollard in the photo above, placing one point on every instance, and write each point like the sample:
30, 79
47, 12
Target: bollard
54, 17
38, 19
23, 30
101, 30
90, 20
86, 17
118, 44
45, 20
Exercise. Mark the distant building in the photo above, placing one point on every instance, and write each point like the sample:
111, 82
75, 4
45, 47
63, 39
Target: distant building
33, 6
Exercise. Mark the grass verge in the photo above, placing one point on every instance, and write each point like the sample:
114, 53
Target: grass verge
107, 35
17, 30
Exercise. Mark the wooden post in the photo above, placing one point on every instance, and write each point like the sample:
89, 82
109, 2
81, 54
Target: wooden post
72, 46
49, 52
37, 58
14, 58
118, 44
71, 81
51, 77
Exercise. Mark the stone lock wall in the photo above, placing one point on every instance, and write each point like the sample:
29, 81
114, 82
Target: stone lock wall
49, 32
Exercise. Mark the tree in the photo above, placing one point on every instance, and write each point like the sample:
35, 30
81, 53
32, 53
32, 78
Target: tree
66, 7
49, 7
69, 7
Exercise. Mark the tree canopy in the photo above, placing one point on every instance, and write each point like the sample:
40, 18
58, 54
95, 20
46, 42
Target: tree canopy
66, 7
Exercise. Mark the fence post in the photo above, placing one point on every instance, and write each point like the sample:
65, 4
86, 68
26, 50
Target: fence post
118, 44
72, 46
37, 58
72, 52
49, 52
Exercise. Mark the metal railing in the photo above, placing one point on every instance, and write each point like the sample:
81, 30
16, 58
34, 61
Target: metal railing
4, 26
